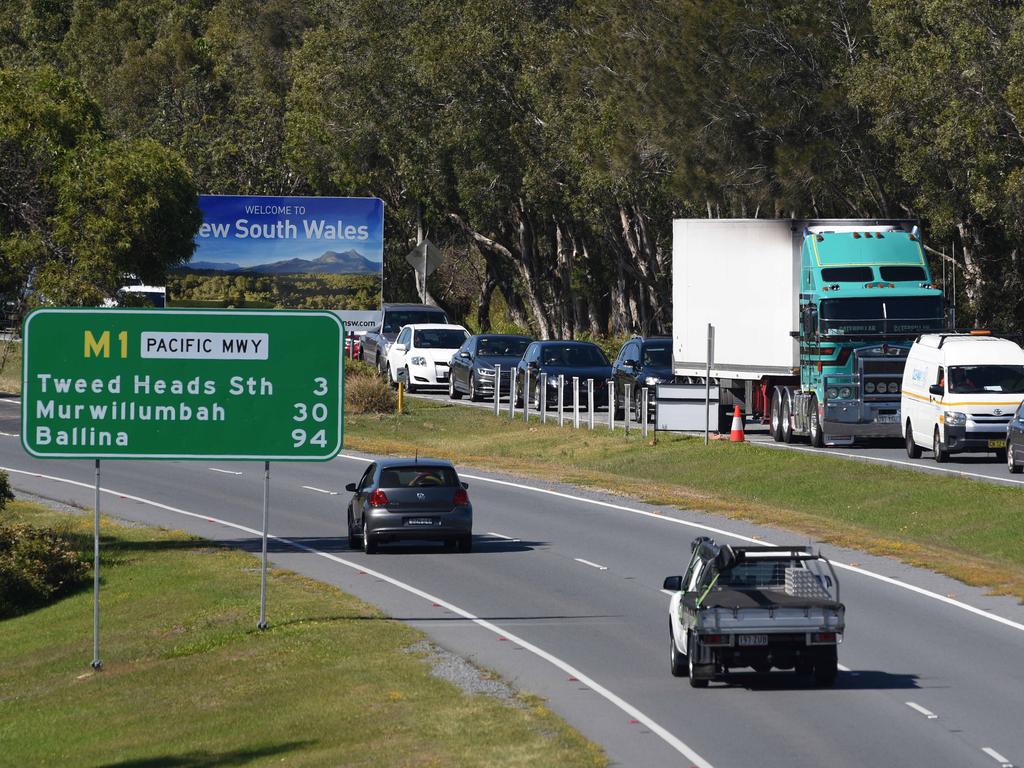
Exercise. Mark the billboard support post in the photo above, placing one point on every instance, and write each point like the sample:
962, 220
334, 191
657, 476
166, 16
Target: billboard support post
263, 566
97, 664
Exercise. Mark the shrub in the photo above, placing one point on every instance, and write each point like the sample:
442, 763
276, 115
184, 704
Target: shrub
369, 393
37, 565
358, 368
6, 494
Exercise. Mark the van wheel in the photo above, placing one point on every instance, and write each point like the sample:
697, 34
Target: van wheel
776, 417
941, 454
785, 422
817, 434
913, 449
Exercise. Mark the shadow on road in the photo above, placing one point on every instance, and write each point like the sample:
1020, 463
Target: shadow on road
857, 680
339, 544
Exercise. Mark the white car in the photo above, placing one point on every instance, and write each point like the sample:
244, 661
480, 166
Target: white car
421, 355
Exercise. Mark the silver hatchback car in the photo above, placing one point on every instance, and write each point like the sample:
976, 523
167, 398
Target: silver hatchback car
405, 499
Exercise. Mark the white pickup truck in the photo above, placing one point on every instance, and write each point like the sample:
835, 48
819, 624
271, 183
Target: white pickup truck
759, 607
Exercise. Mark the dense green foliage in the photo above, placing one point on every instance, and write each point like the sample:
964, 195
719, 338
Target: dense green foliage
544, 146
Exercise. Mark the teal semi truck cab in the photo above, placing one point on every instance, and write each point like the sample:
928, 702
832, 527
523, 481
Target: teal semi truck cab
812, 319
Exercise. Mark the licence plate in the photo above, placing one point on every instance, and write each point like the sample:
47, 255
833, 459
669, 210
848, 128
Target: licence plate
996, 443
886, 418
752, 640
441, 373
419, 521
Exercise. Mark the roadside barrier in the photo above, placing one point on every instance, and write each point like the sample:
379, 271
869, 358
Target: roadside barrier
736, 435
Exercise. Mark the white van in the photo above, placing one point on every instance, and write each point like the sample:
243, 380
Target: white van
960, 390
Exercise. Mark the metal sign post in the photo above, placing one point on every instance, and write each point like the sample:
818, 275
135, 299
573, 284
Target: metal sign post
497, 388
707, 382
263, 569
590, 402
561, 398
96, 662
611, 405
544, 398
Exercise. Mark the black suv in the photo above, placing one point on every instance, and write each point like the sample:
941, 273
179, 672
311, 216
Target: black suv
642, 362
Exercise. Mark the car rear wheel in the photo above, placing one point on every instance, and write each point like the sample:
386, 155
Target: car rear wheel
941, 454
354, 541
1011, 463
913, 449
466, 543
692, 648
369, 545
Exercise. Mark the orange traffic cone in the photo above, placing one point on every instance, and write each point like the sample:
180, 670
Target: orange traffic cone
736, 435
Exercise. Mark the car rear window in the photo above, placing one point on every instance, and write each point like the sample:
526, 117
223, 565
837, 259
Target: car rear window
418, 476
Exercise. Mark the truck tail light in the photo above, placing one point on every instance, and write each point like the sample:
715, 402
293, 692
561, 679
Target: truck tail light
823, 637
714, 639
461, 498
378, 498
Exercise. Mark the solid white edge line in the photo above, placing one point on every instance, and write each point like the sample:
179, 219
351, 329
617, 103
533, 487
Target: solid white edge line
997, 757
699, 526
895, 462
669, 738
10, 434
223, 471
320, 490
592, 565
918, 708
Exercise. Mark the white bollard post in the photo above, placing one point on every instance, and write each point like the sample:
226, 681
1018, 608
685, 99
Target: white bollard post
561, 397
512, 394
590, 402
543, 398
643, 411
576, 402
526, 395
626, 409
611, 405
497, 389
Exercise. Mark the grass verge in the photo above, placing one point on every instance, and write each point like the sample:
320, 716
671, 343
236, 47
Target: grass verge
188, 680
10, 367
970, 530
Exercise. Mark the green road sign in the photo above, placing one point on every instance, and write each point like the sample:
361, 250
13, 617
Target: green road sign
182, 384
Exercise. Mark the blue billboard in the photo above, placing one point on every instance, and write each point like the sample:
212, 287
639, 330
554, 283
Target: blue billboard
288, 252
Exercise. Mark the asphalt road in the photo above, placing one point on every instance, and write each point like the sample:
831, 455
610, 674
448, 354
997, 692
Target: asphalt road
562, 597
984, 467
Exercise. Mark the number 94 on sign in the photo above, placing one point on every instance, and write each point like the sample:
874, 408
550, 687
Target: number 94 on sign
316, 412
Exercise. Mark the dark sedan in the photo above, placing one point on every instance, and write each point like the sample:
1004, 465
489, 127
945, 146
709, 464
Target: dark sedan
642, 362
473, 366
582, 359
400, 499
1015, 441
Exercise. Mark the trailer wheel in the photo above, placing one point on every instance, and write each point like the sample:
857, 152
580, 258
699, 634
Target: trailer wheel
776, 417
676, 659
817, 434
786, 425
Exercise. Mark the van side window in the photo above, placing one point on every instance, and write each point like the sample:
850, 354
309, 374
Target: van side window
940, 377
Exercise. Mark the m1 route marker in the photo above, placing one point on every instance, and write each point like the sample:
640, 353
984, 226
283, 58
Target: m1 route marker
182, 384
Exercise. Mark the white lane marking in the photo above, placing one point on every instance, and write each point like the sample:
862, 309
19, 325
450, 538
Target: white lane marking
223, 471
699, 526
320, 490
895, 462
918, 708
673, 741
501, 536
1004, 763
10, 400
10, 434
592, 565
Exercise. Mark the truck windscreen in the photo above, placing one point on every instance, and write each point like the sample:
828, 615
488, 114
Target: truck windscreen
882, 315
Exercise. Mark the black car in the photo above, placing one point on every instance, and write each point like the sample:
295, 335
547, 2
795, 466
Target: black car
1015, 441
472, 367
399, 499
642, 362
583, 359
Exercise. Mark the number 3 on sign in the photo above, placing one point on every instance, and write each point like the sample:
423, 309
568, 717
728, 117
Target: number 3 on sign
321, 386
319, 439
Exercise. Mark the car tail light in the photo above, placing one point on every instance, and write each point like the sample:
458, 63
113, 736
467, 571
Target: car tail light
461, 498
378, 498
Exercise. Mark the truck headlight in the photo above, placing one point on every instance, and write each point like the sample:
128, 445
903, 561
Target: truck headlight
845, 393
869, 387
894, 387
418, 360
955, 419
832, 393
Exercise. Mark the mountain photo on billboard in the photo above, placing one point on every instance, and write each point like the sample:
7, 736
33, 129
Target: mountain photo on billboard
217, 266
349, 262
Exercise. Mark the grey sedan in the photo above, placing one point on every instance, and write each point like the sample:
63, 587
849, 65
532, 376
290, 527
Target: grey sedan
405, 499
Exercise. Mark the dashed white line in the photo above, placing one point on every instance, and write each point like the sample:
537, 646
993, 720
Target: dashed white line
501, 536
592, 565
223, 471
320, 490
918, 708
1003, 762
701, 527
664, 734
10, 434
